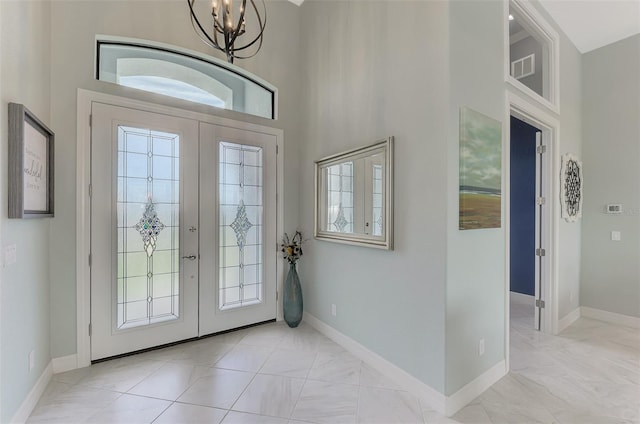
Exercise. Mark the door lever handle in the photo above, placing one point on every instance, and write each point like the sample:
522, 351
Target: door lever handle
190, 257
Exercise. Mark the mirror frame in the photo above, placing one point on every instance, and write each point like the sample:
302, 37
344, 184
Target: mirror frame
381, 242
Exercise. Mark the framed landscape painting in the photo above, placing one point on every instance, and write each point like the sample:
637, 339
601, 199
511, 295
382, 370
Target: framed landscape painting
480, 171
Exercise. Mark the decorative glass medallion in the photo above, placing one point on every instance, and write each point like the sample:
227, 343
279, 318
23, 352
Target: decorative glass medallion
241, 225
149, 228
341, 222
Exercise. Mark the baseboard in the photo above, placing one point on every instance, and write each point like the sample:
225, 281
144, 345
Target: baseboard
611, 317
472, 390
65, 363
568, 319
429, 395
22, 414
523, 299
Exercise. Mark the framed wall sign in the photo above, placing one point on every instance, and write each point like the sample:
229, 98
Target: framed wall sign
31, 146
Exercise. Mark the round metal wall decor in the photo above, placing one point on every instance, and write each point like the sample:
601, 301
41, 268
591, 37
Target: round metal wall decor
571, 181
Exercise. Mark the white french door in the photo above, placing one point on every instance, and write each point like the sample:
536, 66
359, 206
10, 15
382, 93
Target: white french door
539, 234
238, 253
181, 212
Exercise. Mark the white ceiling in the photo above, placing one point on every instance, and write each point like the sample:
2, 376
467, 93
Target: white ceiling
591, 24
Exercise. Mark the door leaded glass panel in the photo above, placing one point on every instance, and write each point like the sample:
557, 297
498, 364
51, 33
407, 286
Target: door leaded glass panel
241, 230
377, 200
340, 197
148, 204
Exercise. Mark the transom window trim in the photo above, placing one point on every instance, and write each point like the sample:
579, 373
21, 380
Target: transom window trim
214, 63
536, 25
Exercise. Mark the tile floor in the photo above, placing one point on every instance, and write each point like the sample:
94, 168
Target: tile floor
275, 375
590, 373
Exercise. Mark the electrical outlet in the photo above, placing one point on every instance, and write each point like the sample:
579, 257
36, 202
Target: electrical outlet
32, 359
481, 347
333, 309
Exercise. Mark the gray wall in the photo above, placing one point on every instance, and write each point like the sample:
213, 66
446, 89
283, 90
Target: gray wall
569, 141
24, 65
475, 258
611, 129
522, 49
371, 70
74, 28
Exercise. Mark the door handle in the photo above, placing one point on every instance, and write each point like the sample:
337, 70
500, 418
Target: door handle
190, 257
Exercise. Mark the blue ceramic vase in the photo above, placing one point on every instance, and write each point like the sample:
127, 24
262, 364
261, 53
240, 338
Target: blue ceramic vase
292, 298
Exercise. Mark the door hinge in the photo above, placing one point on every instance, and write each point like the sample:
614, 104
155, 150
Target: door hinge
89, 329
90, 120
539, 303
276, 295
541, 149
89, 259
540, 252
540, 201
277, 149
90, 190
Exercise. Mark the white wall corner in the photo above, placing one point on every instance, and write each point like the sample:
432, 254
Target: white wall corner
610, 317
568, 319
29, 403
65, 363
406, 381
475, 388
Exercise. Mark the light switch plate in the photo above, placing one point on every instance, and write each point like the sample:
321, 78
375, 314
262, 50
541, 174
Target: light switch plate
616, 236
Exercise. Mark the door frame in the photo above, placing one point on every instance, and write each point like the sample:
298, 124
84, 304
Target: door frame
83, 202
527, 111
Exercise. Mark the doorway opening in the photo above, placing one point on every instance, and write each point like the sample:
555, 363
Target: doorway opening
525, 245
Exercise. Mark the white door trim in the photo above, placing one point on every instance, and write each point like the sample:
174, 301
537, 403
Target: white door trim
527, 111
83, 218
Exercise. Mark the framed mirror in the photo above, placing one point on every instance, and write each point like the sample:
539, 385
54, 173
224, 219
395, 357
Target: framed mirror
354, 196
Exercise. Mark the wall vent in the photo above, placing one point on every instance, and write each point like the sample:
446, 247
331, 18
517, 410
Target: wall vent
523, 67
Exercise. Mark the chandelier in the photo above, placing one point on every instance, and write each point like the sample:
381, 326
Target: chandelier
226, 32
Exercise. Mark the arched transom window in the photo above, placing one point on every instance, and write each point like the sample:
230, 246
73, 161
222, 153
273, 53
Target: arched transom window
188, 76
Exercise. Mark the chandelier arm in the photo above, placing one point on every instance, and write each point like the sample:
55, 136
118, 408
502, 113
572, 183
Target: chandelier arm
206, 40
236, 31
202, 33
259, 36
251, 55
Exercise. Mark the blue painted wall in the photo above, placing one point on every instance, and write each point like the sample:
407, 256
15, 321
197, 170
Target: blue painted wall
523, 200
